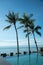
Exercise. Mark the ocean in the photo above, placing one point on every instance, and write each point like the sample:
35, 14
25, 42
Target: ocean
13, 49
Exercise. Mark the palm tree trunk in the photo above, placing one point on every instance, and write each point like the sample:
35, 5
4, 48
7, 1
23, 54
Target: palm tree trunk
17, 41
35, 42
29, 45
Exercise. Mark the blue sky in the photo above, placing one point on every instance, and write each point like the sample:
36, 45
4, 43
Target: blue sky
8, 38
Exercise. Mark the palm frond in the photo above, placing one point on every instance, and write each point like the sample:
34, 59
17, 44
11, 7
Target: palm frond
11, 17
30, 16
20, 27
25, 30
37, 27
31, 21
20, 19
38, 33
17, 16
25, 17
27, 34
7, 27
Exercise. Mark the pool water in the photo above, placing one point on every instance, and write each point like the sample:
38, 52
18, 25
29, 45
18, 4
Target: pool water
32, 59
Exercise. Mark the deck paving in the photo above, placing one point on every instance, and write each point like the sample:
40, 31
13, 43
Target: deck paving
3, 61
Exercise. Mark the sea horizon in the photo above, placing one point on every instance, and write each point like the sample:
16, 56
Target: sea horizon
9, 49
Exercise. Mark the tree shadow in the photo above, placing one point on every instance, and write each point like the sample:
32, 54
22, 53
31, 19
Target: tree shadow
29, 59
37, 59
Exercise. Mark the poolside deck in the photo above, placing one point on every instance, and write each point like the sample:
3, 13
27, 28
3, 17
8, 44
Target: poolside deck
3, 61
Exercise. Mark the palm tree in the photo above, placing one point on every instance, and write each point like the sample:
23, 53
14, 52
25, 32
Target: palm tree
35, 30
25, 21
12, 19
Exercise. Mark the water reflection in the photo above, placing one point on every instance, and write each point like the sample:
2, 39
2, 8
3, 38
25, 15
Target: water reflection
17, 60
33, 59
37, 59
28, 60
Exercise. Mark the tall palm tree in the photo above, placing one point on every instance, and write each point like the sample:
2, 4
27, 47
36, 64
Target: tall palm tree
25, 23
12, 19
36, 30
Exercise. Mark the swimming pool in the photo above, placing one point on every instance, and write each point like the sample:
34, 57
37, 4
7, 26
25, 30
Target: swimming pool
32, 59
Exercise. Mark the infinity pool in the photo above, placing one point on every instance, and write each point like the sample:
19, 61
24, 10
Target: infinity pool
32, 59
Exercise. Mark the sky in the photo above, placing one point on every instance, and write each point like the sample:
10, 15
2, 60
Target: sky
8, 38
